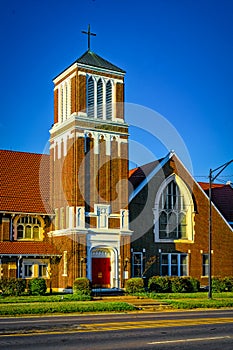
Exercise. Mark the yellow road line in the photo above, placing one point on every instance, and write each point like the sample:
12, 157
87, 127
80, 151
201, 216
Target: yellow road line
100, 327
111, 326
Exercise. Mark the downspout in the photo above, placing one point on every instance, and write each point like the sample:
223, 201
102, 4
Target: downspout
19, 266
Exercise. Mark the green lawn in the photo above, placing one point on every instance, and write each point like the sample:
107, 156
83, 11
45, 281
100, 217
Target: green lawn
195, 300
69, 303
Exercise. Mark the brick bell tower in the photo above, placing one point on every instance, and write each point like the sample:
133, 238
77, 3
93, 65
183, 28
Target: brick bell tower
89, 173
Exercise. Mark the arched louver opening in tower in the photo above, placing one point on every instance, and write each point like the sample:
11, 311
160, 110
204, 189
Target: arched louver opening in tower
100, 99
109, 100
90, 97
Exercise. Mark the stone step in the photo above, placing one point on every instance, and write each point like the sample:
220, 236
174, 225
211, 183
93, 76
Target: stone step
139, 303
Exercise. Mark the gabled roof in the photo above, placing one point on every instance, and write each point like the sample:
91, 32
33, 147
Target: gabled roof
137, 175
222, 197
28, 248
90, 58
140, 176
24, 182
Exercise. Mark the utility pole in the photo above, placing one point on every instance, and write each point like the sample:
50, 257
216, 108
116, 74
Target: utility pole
211, 180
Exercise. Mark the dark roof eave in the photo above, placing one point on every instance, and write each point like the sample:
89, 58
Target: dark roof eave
30, 254
112, 69
25, 213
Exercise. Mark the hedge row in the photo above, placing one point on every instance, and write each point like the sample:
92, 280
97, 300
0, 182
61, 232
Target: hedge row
160, 284
17, 286
222, 284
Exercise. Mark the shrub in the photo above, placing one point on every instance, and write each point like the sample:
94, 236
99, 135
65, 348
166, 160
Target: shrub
224, 284
218, 284
184, 285
229, 284
12, 286
195, 284
82, 286
159, 284
135, 285
37, 286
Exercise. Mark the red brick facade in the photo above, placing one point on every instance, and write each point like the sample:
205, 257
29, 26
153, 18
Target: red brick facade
143, 239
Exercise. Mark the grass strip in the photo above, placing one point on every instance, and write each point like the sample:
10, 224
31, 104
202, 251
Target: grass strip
195, 304
43, 298
17, 309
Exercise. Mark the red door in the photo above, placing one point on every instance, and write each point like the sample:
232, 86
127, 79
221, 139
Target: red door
101, 269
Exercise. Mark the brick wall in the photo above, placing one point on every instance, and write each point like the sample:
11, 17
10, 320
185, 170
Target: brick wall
143, 237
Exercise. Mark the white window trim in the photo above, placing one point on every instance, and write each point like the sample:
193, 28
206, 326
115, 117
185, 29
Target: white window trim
104, 80
40, 224
141, 260
178, 264
35, 268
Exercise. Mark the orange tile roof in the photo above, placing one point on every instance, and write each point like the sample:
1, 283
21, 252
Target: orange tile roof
28, 248
205, 185
24, 182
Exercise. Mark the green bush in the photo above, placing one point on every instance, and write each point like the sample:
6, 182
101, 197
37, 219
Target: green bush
159, 284
185, 285
82, 286
195, 284
218, 284
135, 285
229, 284
37, 286
12, 286
224, 284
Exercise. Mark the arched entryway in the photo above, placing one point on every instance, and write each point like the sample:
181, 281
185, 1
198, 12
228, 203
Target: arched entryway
103, 267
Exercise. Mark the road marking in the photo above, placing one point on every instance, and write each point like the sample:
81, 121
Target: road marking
116, 326
98, 327
188, 340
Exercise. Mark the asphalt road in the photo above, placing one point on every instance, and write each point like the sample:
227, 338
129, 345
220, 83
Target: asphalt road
174, 330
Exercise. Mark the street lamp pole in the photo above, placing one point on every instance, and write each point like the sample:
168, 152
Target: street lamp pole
211, 180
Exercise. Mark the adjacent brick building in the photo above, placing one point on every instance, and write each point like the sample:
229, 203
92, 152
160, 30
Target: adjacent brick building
169, 215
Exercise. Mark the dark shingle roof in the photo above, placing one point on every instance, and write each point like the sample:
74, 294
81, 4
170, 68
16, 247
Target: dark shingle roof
137, 175
222, 197
90, 58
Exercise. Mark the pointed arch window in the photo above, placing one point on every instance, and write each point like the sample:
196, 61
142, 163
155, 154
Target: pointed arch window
90, 97
109, 100
100, 99
172, 213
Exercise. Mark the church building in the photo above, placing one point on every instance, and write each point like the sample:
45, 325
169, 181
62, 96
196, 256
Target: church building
71, 213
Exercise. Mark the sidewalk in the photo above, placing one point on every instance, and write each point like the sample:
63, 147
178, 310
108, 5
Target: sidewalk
143, 304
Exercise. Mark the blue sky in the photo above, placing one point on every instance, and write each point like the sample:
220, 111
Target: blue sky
178, 55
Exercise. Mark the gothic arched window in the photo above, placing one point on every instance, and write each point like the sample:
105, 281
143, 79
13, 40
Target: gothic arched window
100, 99
90, 97
109, 100
172, 213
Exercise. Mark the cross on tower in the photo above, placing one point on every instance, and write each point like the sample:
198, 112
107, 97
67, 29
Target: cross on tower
89, 36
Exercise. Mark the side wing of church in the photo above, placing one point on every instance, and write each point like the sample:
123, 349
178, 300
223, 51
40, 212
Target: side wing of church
169, 215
